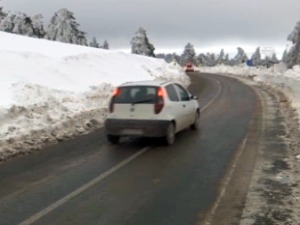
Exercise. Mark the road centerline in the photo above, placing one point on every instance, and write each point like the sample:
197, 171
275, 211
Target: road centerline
216, 96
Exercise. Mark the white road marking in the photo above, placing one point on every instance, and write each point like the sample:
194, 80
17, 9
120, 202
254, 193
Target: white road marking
81, 189
216, 96
226, 181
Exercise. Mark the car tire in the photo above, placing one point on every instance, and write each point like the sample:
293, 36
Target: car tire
170, 137
196, 124
113, 139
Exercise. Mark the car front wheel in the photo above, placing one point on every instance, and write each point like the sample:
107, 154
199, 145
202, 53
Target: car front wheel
196, 124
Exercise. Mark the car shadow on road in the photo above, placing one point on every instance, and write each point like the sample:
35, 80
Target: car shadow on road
158, 143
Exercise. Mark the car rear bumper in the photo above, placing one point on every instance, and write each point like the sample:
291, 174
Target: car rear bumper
142, 128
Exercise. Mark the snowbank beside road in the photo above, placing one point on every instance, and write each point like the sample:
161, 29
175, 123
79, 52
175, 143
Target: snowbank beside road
51, 91
277, 76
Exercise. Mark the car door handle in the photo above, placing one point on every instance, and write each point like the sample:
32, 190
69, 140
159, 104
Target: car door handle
183, 106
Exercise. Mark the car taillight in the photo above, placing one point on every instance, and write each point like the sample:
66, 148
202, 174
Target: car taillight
159, 104
116, 92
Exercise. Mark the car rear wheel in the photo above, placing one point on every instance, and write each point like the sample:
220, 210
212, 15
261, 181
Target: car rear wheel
170, 137
196, 124
113, 139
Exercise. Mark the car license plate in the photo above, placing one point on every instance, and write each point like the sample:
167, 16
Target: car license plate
132, 132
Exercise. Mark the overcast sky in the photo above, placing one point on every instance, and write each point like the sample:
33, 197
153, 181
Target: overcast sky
170, 24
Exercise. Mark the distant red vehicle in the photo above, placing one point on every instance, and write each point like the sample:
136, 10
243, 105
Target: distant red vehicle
189, 67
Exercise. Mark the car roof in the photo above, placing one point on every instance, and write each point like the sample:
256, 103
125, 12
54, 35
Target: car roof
146, 83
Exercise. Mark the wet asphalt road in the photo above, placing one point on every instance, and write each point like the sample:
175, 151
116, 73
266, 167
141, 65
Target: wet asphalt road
174, 185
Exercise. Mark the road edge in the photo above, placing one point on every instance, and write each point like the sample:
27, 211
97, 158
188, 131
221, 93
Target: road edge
227, 208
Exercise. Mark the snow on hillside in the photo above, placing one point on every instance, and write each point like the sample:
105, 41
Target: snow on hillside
51, 91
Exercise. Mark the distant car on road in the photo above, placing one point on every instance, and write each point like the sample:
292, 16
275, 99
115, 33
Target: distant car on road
151, 109
189, 67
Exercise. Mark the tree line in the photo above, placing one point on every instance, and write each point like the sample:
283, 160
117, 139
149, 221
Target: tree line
64, 28
140, 45
211, 59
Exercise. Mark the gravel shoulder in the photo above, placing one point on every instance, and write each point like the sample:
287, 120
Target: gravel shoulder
274, 193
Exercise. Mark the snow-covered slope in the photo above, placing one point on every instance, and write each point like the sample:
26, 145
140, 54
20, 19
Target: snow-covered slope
50, 90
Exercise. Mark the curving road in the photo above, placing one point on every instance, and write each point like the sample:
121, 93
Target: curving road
87, 181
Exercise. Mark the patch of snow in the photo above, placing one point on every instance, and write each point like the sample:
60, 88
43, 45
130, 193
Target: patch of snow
277, 76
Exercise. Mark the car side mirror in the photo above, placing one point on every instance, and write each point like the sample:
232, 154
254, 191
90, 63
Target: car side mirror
194, 97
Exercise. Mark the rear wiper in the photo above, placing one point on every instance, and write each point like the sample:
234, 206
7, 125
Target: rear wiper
142, 101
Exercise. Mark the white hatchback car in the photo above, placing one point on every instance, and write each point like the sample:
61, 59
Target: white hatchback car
151, 109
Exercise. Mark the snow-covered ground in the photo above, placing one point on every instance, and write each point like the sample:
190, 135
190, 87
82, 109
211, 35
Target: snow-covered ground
51, 91
277, 76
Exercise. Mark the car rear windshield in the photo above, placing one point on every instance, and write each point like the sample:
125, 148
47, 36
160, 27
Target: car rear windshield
136, 95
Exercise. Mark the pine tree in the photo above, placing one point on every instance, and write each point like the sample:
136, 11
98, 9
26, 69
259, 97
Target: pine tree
293, 56
201, 59
94, 43
105, 45
169, 57
211, 59
23, 25
240, 57
176, 58
188, 55
18, 23
140, 44
208, 59
274, 59
221, 57
2, 14
38, 26
64, 28
7, 23
226, 60
284, 56
256, 57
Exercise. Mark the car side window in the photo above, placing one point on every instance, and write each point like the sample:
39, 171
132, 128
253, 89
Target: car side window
172, 93
184, 95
